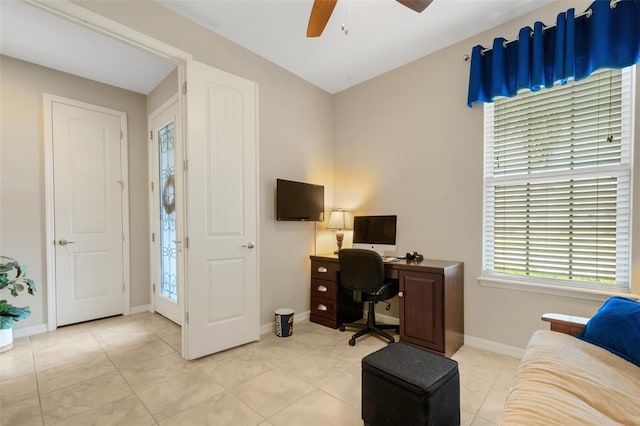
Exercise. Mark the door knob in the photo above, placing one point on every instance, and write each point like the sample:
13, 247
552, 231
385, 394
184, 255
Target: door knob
64, 242
249, 245
400, 294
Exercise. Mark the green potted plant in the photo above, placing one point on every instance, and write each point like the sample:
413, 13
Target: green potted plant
12, 277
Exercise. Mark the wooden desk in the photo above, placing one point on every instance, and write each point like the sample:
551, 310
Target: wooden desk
431, 300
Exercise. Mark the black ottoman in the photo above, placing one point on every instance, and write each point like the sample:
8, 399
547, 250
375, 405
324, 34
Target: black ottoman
405, 385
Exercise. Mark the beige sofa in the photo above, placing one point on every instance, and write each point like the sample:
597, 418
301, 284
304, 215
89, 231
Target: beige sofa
562, 380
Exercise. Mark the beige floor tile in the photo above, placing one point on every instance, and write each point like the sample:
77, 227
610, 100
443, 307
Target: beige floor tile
471, 400
65, 349
466, 418
318, 409
22, 387
156, 371
127, 411
272, 391
279, 349
346, 385
159, 324
340, 349
224, 409
174, 340
129, 333
81, 397
17, 361
239, 369
68, 374
494, 402
178, 393
316, 367
143, 352
23, 412
480, 421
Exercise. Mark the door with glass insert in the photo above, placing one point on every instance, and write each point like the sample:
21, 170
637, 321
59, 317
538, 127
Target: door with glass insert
166, 241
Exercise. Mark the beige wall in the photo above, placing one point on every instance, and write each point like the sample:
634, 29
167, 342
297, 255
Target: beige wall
295, 138
22, 205
406, 143
163, 91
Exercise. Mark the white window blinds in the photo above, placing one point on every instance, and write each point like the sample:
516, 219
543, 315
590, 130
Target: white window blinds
557, 183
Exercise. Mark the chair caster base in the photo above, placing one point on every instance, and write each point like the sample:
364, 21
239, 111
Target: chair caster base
352, 342
341, 327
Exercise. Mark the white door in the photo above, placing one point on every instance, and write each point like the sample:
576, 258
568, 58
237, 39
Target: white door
88, 209
166, 242
222, 265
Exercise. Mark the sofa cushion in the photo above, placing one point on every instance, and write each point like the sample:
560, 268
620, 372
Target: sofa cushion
562, 380
616, 328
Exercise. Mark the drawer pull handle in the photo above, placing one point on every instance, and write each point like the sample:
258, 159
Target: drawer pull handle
322, 307
322, 269
322, 289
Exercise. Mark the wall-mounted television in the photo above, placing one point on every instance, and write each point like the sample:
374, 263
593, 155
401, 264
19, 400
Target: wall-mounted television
299, 201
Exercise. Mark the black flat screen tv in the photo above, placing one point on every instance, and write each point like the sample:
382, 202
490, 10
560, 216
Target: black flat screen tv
298, 201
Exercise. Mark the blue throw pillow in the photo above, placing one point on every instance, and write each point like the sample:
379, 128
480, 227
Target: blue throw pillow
616, 328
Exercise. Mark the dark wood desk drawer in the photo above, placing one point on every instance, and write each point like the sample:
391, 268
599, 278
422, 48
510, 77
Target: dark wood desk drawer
323, 289
324, 270
323, 308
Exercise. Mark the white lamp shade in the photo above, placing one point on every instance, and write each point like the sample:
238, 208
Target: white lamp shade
340, 219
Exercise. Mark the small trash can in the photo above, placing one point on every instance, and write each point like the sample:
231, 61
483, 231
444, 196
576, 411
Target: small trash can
284, 322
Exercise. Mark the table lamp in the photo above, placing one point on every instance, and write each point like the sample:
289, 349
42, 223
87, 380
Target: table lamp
340, 220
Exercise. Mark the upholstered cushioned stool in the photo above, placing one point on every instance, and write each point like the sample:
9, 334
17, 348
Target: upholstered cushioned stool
405, 385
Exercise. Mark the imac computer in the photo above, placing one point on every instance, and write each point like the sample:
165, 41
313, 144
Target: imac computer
377, 233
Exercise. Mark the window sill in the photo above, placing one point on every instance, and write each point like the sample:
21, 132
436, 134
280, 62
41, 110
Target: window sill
571, 292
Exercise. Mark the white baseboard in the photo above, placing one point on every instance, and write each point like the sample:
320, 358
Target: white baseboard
29, 331
140, 309
492, 346
271, 327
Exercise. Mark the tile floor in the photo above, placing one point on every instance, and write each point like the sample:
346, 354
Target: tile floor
128, 371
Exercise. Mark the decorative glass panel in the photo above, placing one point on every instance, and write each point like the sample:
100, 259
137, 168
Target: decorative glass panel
168, 263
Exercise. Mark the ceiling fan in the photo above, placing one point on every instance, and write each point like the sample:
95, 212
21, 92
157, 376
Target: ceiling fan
322, 10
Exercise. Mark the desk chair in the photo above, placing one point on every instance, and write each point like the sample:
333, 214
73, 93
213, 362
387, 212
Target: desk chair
362, 272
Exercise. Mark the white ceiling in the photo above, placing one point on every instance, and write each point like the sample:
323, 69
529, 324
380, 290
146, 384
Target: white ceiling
382, 35
32, 35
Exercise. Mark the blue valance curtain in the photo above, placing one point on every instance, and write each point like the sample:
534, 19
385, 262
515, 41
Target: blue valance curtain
607, 35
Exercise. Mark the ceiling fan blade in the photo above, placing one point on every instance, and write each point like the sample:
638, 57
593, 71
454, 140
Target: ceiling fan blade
320, 14
417, 5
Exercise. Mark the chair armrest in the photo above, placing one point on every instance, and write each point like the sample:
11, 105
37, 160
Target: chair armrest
566, 324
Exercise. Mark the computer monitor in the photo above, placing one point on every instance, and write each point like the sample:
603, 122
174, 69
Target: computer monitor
377, 233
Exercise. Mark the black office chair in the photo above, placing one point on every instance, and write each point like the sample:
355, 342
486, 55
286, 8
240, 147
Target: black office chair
362, 272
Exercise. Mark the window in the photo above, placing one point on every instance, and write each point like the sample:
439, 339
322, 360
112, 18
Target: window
557, 184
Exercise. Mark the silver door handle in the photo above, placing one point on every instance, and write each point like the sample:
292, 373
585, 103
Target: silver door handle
249, 245
64, 242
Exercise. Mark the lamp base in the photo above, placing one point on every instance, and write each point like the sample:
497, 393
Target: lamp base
339, 238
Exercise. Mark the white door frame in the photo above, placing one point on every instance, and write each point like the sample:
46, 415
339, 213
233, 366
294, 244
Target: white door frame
152, 161
50, 207
86, 18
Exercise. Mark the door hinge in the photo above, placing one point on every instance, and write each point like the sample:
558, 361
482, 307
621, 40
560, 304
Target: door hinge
152, 186
184, 88
153, 237
186, 242
154, 288
123, 237
124, 288
186, 317
121, 135
186, 165
151, 134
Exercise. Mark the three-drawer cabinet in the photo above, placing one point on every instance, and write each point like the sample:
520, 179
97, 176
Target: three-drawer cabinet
331, 305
